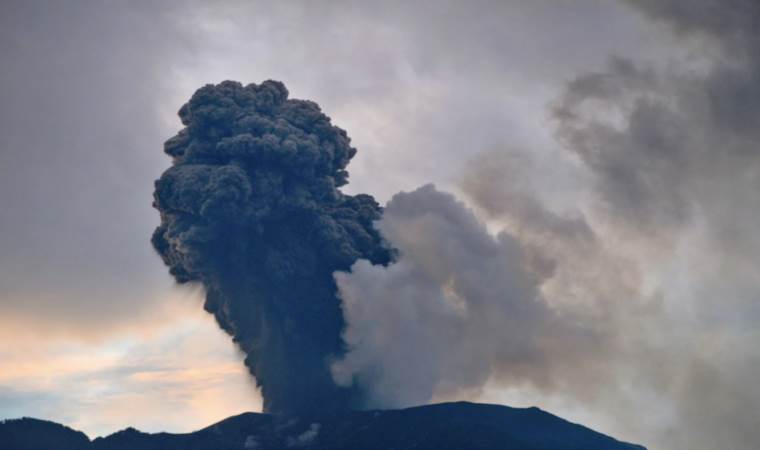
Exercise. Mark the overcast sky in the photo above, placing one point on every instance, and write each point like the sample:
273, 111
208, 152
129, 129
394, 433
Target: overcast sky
634, 121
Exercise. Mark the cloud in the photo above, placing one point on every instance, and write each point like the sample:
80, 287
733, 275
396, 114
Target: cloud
179, 375
90, 93
664, 245
664, 146
80, 125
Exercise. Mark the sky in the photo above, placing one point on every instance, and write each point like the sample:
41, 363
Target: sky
609, 147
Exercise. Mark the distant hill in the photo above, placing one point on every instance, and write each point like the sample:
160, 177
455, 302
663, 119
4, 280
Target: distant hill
35, 434
445, 426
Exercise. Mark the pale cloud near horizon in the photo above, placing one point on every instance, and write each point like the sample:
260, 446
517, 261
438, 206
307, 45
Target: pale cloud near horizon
174, 372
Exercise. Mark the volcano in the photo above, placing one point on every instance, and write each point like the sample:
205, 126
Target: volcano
444, 426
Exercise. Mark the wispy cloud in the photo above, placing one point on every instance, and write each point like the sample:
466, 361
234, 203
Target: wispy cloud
178, 375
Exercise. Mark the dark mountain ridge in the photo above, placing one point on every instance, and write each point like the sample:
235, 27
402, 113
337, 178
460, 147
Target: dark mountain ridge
445, 426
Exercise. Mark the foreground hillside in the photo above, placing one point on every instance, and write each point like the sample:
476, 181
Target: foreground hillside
436, 427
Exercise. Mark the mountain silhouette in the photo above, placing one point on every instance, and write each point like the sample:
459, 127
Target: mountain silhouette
445, 426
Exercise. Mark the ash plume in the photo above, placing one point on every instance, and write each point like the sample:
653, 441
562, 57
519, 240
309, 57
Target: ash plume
251, 209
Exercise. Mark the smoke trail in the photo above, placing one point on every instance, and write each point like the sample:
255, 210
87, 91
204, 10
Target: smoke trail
251, 209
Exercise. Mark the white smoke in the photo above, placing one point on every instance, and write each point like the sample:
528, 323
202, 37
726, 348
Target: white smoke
459, 306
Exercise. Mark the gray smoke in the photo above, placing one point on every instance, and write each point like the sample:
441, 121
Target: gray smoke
674, 158
459, 307
664, 146
640, 302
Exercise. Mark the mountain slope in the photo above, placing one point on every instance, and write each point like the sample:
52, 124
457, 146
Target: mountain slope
35, 434
445, 426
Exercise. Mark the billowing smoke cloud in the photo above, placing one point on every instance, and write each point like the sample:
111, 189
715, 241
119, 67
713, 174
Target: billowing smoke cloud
251, 209
461, 306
